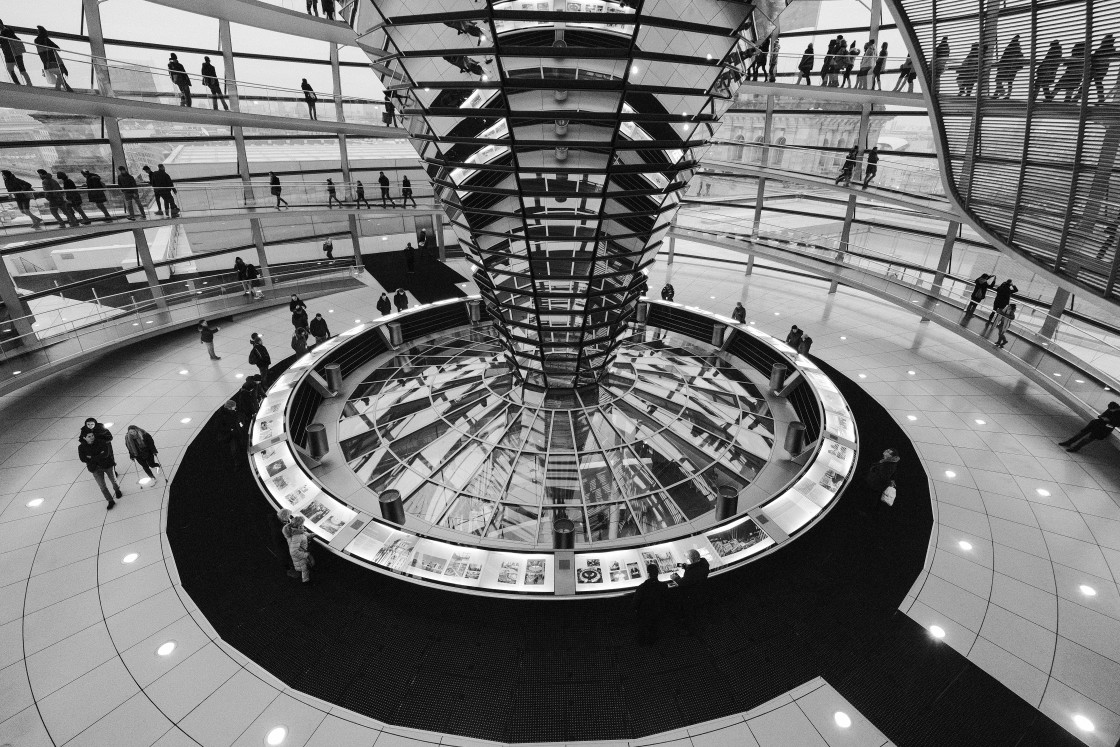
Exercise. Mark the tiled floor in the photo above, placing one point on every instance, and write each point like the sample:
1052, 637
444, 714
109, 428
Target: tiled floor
80, 629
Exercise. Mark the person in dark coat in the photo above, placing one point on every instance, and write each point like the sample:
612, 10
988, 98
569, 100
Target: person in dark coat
1008, 67
130, 191
851, 160
880, 68
95, 192
668, 292
648, 604
400, 299
319, 329
309, 97
969, 71
739, 313
142, 449
97, 455
406, 193
332, 195
299, 340
252, 274
56, 199
180, 79
879, 477
1097, 429
328, 248
1099, 63
384, 305
793, 339
360, 195
299, 317
51, 57
164, 187
1070, 82
210, 80
91, 425
940, 61
22, 192
1003, 297
296, 303
980, 288
242, 271
13, 50
247, 399
275, 188
805, 67
409, 257
259, 356
231, 431
695, 571
328, 9
805, 344
206, 337
1047, 71
384, 182
906, 75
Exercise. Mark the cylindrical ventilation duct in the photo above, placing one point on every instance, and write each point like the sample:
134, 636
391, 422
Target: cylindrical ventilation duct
718, 331
317, 444
795, 438
392, 507
396, 337
474, 309
727, 504
778, 377
563, 534
333, 374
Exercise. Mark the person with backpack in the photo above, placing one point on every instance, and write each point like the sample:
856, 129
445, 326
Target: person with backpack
95, 193
299, 340
309, 98
1004, 292
981, 286
21, 192
332, 195
880, 477
13, 50
142, 449
259, 356
51, 57
406, 193
805, 67
56, 200
360, 195
206, 336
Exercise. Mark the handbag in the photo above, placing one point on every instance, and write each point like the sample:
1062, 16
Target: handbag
889, 495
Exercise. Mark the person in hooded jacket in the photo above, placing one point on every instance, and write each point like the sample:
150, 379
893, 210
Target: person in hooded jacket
1047, 71
22, 192
793, 339
56, 199
1008, 67
97, 455
299, 317
51, 57
879, 477
13, 50
299, 340
319, 329
668, 292
73, 196
142, 449
384, 305
296, 303
400, 299
95, 192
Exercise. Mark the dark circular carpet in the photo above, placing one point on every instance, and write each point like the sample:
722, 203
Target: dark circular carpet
568, 670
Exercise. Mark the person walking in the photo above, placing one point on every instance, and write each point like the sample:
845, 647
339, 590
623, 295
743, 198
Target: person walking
1008, 67
259, 356
826, 62
206, 337
296, 534
878, 478
1099, 63
969, 71
384, 305
793, 339
866, 64
328, 248
299, 317
164, 187
210, 80
872, 166
361, 195
739, 313
248, 397
313, 8
51, 57
180, 79
389, 113
906, 74
242, 271
409, 258
1004, 317
310, 97
400, 299
142, 449
880, 68
980, 288
940, 62
299, 340
22, 193
332, 196
384, 182
851, 159
56, 199
13, 49
1003, 297
805, 67
1096, 429
775, 54
231, 426
849, 62
648, 605
95, 193
275, 189
126, 182
1070, 82
422, 243
805, 344
296, 303
319, 329
73, 196
1047, 71
668, 292
328, 9
406, 193
97, 455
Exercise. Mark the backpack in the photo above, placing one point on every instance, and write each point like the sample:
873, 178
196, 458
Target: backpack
254, 356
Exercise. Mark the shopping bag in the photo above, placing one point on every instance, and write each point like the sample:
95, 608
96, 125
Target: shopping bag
889, 495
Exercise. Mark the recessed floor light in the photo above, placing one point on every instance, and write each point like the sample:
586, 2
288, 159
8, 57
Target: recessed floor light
911, 372
136, 324
357, 320
184, 421
1087, 590
1057, 374
1083, 723
981, 422
843, 338
842, 719
35, 503
276, 736
1080, 381
964, 545
911, 417
937, 631
777, 313
108, 425
166, 649
16, 373
239, 376
183, 372
1043, 492
863, 376
146, 481
130, 558
950, 473
330, 311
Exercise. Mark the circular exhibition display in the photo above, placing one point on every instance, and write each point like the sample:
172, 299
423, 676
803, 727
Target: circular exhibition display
409, 446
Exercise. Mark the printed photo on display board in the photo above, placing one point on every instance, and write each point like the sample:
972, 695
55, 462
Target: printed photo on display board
737, 539
534, 571
509, 572
591, 573
663, 559
430, 563
396, 553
